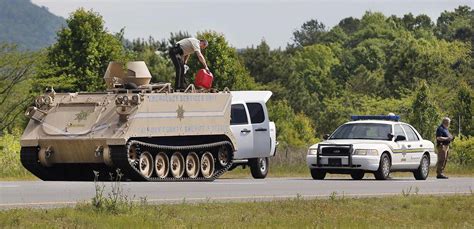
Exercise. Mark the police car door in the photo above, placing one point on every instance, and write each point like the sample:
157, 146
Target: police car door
399, 150
242, 130
414, 147
261, 128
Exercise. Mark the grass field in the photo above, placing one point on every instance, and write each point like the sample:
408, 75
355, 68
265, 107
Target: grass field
411, 211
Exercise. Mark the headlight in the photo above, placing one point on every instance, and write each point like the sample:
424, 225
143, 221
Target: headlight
366, 152
312, 151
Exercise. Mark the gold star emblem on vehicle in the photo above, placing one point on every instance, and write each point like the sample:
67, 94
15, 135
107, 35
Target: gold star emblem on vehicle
81, 116
180, 112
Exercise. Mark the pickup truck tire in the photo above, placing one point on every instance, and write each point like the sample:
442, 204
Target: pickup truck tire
384, 168
422, 172
259, 167
318, 174
357, 175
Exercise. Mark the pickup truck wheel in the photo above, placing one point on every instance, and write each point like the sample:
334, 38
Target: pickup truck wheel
259, 167
318, 174
384, 168
357, 175
422, 172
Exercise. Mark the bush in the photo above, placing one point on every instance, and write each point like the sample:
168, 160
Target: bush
10, 165
462, 151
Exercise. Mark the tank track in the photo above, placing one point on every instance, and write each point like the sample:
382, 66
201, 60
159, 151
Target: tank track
120, 159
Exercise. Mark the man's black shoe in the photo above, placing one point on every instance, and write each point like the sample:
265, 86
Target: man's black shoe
442, 177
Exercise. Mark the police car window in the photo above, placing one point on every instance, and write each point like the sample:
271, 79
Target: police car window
256, 112
399, 131
373, 131
411, 135
238, 115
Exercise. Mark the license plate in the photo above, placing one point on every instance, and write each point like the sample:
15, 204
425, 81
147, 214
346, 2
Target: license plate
335, 161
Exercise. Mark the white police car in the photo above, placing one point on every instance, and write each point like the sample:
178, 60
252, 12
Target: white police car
372, 144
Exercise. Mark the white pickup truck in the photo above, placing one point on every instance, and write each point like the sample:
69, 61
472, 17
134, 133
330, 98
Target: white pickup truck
254, 132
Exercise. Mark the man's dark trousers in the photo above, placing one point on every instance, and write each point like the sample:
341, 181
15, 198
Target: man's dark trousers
176, 56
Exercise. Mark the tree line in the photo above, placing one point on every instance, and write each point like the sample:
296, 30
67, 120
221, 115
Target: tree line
376, 64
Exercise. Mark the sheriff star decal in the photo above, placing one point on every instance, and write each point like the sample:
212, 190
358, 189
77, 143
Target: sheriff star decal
180, 112
81, 116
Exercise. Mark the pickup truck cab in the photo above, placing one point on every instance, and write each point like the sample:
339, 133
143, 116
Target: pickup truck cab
372, 144
254, 132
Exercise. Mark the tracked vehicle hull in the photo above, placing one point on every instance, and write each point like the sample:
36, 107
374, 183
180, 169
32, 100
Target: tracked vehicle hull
145, 134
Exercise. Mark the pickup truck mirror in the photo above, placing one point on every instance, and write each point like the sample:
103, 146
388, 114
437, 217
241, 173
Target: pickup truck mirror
400, 138
326, 136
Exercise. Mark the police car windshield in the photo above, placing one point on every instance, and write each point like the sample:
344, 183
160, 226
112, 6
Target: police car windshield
373, 131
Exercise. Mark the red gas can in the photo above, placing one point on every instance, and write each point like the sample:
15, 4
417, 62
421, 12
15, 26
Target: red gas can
203, 79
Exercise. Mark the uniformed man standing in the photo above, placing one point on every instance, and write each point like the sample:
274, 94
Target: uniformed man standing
443, 139
180, 55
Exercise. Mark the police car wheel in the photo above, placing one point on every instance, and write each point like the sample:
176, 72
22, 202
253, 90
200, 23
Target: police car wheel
384, 168
357, 175
318, 174
422, 172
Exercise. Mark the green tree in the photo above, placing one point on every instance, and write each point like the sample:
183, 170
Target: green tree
223, 62
292, 129
266, 65
463, 114
457, 25
16, 73
425, 115
432, 60
79, 59
310, 33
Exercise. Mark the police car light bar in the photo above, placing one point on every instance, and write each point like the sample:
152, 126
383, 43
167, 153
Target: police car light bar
395, 118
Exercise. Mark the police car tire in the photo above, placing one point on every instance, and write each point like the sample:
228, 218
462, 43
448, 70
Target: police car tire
419, 172
318, 174
357, 175
379, 174
256, 168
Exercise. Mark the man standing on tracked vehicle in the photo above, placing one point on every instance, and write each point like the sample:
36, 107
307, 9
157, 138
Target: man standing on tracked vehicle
180, 55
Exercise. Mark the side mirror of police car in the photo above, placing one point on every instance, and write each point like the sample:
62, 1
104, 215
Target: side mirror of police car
326, 136
390, 136
400, 138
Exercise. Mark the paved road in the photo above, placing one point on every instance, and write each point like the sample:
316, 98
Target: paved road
47, 194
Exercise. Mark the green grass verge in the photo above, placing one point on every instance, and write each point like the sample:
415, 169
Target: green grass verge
401, 211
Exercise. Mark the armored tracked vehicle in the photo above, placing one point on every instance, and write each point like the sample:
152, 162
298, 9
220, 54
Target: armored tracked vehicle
147, 132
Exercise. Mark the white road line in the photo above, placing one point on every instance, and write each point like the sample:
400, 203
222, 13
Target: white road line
9, 186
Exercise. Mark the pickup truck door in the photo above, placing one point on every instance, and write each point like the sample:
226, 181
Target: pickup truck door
242, 131
261, 129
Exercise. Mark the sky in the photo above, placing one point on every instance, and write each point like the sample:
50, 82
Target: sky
244, 23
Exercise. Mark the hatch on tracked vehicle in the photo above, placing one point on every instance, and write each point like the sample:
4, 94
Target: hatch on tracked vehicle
135, 72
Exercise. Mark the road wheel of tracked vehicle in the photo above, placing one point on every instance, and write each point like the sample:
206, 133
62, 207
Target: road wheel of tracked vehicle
259, 167
177, 165
133, 155
192, 165
162, 165
207, 165
384, 168
357, 175
422, 172
145, 164
223, 156
318, 174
